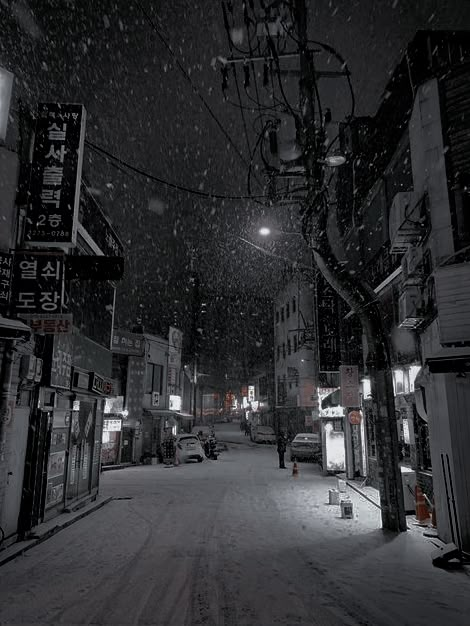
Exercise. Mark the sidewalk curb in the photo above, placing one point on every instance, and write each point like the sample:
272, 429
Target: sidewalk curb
24, 546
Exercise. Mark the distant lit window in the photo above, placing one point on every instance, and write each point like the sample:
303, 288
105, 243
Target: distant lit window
401, 381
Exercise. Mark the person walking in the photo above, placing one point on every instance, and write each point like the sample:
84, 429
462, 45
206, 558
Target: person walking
281, 449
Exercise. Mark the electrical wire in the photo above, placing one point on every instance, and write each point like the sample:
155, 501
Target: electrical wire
195, 89
203, 194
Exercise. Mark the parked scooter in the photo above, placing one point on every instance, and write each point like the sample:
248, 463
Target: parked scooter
210, 448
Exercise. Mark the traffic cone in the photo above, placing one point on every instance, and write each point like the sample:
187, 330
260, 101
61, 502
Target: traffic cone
295, 470
422, 513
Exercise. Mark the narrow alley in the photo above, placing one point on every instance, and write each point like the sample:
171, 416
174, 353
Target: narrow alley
229, 542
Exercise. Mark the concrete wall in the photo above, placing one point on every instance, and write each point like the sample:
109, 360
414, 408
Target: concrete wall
12, 469
449, 429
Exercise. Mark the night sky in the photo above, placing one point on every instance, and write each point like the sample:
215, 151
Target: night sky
142, 109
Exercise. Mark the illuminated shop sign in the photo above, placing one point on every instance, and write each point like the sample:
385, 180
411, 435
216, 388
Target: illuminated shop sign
56, 173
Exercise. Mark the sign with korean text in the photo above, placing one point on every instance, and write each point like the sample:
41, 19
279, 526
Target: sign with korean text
329, 354
56, 175
37, 283
127, 343
6, 270
135, 386
175, 346
349, 377
61, 362
100, 384
112, 426
46, 324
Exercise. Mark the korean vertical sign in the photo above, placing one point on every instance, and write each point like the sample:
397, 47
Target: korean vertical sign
349, 381
37, 283
56, 175
6, 270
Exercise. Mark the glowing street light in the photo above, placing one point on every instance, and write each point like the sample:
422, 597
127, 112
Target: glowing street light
265, 231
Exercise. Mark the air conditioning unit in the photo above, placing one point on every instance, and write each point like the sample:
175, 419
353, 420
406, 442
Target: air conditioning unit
411, 264
410, 307
28, 367
453, 303
405, 227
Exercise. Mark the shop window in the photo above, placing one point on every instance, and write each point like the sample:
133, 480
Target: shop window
154, 378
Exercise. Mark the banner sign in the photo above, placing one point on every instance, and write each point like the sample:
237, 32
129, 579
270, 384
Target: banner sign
349, 375
6, 270
329, 354
59, 366
56, 175
175, 346
127, 343
49, 324
101, 384
112, 426
37, 283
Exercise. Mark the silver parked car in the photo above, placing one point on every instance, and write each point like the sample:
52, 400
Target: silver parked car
306, 447
189, 448
263, 434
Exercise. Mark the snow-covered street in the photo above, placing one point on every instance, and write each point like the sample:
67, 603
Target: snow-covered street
230, 542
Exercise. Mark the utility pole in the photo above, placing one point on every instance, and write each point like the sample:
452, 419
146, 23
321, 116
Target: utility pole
357, 294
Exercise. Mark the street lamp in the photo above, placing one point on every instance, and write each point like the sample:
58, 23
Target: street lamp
335, 160
265, 232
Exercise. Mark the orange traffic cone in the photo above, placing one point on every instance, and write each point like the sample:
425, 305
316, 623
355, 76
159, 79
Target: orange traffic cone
422, 513
295, 470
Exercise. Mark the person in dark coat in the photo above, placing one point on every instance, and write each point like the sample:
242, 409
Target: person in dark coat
281, 450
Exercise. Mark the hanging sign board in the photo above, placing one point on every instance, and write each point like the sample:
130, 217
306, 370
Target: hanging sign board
349, 381
52, 216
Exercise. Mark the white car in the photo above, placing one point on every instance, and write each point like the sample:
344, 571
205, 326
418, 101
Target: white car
263, 434
306, 446
189, 448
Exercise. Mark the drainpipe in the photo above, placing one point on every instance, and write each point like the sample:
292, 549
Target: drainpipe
5, 393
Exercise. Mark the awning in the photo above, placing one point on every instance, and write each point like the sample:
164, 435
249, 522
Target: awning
13, 329
332, 399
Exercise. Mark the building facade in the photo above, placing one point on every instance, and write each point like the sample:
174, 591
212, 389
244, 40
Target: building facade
295, 365
411, 203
